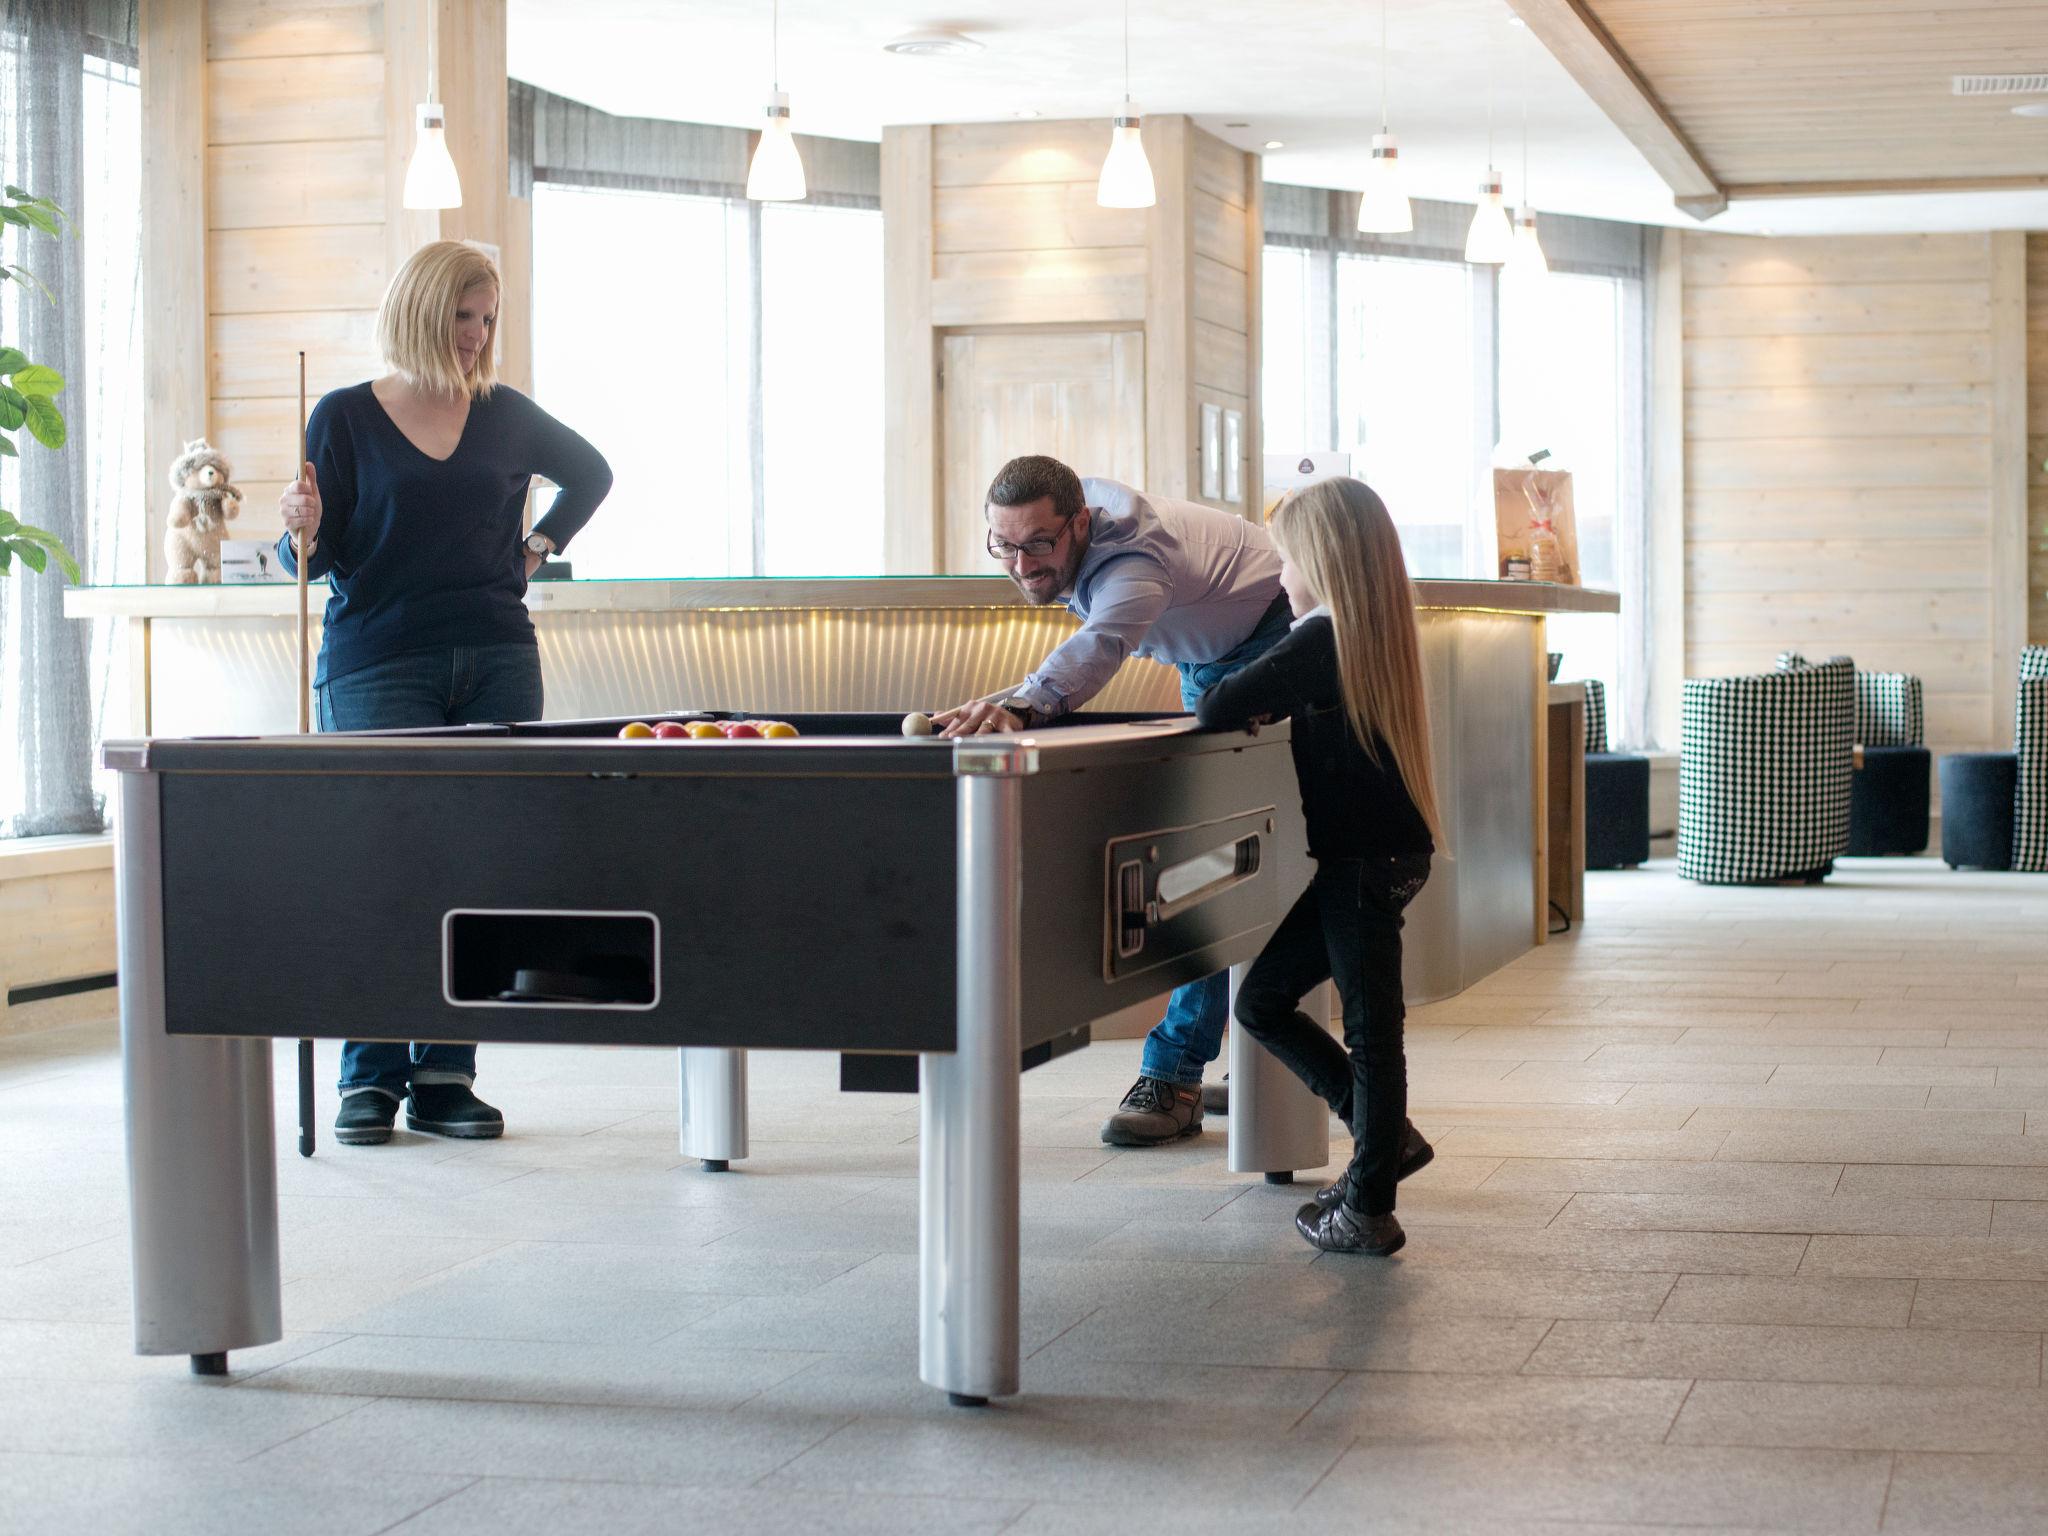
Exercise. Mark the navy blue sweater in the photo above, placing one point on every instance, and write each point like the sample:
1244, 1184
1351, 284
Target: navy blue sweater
424, 552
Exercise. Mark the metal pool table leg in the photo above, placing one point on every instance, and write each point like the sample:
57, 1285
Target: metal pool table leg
968, 1114
712, 1104
1276, 1125
202, 1160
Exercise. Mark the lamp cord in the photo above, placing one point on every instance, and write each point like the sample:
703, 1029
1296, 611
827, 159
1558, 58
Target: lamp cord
1383, 66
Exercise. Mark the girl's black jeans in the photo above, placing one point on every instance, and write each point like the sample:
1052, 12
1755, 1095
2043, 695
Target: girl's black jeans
1346, 927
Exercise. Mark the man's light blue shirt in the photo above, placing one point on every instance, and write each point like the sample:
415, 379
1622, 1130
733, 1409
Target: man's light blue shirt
1172, 580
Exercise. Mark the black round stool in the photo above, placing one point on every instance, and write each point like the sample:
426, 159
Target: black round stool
1976, 808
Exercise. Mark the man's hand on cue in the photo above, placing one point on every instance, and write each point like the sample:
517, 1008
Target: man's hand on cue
980, 718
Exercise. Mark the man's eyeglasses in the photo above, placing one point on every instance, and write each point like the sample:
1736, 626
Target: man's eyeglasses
1038, 549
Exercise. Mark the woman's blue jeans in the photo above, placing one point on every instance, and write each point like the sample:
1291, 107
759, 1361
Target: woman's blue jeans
458, 685
1191, 1034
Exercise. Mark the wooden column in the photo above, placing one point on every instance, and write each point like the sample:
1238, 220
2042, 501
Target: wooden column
172, 49
1034, 320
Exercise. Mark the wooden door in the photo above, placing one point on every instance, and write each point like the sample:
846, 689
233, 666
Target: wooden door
1077, 395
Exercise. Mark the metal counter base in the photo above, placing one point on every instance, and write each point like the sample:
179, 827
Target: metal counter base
1192, 854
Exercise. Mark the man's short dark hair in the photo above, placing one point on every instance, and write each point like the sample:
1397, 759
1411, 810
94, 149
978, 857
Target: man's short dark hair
1033, 478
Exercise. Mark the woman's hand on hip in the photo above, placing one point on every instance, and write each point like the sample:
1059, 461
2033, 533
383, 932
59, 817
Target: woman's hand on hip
299, 506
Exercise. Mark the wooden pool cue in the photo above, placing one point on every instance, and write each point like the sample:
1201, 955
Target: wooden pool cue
305, 726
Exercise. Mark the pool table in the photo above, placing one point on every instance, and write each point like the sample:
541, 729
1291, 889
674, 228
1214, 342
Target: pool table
973, 904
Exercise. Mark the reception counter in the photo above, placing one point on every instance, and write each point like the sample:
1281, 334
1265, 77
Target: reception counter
220, 660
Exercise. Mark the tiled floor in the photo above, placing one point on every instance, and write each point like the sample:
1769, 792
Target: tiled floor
1739, 1222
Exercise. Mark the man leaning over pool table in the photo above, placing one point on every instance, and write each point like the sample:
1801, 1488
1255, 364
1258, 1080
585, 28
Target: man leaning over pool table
1185, 584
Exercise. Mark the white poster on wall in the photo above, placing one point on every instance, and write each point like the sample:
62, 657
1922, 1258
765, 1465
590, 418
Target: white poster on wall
1289, 471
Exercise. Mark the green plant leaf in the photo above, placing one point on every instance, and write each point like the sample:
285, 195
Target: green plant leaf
8, 522
12, 415
6, 558
35, 379
27, 278
7, 448
34, 556
45, 421
16, 193
13, 215
40, 218
12, 358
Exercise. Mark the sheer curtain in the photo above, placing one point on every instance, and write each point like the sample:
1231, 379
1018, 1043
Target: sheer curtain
68, 126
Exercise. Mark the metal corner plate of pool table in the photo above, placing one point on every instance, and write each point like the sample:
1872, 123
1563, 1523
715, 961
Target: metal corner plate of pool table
848, 893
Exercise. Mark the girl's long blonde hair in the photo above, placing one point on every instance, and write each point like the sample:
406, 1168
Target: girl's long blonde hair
1339, 535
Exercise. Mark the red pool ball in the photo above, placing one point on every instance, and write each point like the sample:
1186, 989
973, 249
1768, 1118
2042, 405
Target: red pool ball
742, 730
671, 730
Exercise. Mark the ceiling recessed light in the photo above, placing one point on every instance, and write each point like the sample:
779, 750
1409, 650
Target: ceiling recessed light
2032, 109
1026, 112
1275, 144
928, 44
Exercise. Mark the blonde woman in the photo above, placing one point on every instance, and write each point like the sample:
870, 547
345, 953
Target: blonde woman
1349, 675
411, 505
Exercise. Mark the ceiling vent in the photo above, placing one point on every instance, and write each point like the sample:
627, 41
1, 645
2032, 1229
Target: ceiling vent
2001, 85
939, 42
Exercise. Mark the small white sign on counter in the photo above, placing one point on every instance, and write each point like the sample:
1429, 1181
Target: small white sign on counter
247, 560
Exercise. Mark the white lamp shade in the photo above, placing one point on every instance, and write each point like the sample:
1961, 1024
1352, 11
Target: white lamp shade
777, 174
1526, 259
1489, 240
1383, 203
1126, 175
430, 179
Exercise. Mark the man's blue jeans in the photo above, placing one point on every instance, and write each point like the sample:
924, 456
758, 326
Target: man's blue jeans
458, 685
1191, 1034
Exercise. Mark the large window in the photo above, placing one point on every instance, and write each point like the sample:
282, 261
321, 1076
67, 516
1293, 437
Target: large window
59, 677
1561, 390
1405, 392
734, 383
1428, 372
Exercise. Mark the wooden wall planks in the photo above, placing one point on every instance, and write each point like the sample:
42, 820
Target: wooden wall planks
1842, 410
290, 121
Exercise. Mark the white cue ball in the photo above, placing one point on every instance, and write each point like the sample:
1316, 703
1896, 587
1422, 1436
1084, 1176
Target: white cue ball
915, 724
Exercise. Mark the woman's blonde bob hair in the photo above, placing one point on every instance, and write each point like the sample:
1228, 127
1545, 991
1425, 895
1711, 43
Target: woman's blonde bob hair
416, 324
1338, 534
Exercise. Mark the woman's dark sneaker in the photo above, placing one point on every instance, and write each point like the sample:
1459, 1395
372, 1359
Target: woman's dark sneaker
1344, 1230
451, 1109
1415, 1156
365, 1119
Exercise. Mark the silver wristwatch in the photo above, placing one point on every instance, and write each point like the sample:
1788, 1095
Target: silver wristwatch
539, 544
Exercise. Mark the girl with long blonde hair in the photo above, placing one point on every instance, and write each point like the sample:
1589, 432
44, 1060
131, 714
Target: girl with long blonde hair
1349, 677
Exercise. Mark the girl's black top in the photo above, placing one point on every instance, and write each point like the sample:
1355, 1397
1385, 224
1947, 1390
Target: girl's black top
1356, 808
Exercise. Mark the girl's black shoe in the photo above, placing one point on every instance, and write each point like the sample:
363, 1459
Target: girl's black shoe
1415, 1156
1344, 1230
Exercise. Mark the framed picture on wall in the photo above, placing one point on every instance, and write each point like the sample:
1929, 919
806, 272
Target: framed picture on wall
1233, 457
1212, 451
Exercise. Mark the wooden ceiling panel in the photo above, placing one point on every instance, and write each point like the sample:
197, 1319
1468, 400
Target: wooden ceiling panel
1771, 98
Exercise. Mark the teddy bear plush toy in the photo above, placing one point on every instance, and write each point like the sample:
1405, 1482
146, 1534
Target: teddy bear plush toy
207, 499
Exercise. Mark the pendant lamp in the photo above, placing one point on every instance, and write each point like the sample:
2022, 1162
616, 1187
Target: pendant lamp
1126, 173
430, 177
777, 172
1383, 204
